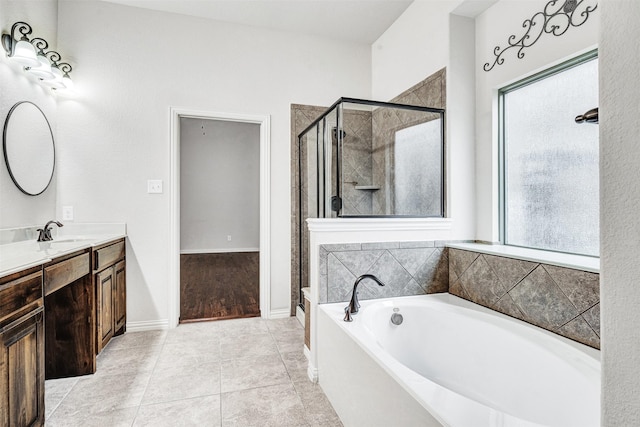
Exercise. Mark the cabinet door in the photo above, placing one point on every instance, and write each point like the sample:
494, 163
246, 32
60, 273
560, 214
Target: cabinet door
22, 373
104, 288
120, 298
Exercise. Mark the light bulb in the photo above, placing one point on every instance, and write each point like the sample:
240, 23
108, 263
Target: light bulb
25, 54
44, 70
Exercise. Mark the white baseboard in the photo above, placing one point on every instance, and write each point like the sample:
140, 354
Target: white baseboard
280, 313
312, 373
217, 251
300, 315
148, 325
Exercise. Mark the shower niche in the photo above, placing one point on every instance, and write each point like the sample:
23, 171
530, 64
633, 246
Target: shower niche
370, 159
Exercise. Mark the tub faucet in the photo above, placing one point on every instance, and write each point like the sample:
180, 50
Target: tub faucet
45, 232
354, 305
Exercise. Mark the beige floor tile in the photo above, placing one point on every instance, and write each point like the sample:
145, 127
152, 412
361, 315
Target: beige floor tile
296, 363
113, 418
247, 346
198, 411
175, 378
93, 394
241, 374
276, 406
287, 324
121, 360
137, 339
182, 382
189, 354
55, 391
240, 327
187, 333
317, 408
289, 340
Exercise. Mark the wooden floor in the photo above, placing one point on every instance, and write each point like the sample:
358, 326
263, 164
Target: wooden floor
219, 286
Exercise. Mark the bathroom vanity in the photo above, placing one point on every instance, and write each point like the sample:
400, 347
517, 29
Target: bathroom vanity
60, 304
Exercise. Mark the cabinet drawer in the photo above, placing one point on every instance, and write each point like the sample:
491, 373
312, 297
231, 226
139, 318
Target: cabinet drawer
20, 295
107, 256
61, 274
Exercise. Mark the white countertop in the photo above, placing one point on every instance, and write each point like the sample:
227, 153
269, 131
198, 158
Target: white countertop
23, 254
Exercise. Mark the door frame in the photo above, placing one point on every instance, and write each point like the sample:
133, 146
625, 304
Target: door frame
174, 200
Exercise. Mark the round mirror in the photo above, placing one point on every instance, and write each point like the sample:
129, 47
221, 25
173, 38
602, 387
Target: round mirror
29, 149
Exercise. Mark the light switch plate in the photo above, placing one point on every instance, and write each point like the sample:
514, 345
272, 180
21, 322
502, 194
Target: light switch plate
154, 186
67, 213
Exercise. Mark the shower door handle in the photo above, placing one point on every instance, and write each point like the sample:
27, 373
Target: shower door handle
336, 203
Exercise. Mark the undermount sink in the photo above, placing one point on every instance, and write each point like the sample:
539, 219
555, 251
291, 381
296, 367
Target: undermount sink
63, 240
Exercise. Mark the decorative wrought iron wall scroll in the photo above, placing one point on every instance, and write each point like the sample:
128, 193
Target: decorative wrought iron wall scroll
556, 18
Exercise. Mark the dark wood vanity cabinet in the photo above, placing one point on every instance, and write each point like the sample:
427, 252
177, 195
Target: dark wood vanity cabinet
22, 357
69, 316
54, 318
111, 291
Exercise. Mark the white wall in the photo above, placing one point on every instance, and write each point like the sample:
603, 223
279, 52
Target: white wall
426, 38
414, 47
493, 28
131, 66
17, 208
619, 207
219, 186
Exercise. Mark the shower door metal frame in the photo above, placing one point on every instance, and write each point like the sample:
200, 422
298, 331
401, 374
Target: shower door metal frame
320, 123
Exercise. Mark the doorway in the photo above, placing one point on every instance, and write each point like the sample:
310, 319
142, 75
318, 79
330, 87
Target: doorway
219, 219
212, 242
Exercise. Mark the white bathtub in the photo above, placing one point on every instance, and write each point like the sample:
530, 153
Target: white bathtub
452, 363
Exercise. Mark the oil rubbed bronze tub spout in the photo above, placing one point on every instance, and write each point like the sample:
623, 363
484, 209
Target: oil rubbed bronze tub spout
354, 305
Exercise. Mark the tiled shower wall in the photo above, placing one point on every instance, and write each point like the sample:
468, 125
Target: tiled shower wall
406, 268
563, 300
431, 92
356, 162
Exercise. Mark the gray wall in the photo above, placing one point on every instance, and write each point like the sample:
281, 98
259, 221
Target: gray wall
16, 208
219, 185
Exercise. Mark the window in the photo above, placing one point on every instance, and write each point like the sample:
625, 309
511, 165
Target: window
549, 163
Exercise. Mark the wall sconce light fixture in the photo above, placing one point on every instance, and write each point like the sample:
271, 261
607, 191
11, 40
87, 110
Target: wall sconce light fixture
46, 66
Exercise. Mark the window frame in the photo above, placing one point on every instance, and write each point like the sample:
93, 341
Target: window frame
502, 177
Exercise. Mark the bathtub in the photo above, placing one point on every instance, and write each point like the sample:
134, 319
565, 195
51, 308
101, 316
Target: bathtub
452, 363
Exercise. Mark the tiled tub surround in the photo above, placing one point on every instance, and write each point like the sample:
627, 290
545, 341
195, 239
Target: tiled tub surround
406, 268
563, 300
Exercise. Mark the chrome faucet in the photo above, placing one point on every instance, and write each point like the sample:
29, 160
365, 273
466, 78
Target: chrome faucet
45, 232
354, 305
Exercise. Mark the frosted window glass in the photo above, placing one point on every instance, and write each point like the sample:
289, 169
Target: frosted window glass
551, 163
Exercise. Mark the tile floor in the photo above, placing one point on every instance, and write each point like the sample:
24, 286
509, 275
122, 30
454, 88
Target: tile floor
247, 372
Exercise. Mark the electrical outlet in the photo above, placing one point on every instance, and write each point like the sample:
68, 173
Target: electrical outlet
229, 238
67, 213
154, 186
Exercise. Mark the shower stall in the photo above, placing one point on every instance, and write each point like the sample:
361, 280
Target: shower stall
369, 159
